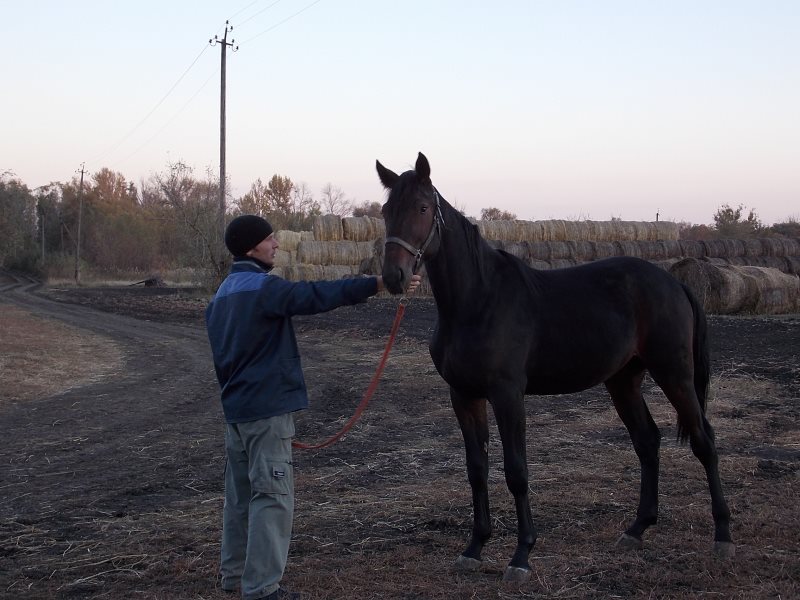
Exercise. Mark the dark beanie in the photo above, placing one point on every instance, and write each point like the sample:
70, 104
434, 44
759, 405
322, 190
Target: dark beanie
245, 233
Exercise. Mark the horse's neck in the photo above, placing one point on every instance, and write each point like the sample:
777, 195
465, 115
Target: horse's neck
458, 274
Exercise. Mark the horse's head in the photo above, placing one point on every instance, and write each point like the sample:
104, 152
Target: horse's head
413, 218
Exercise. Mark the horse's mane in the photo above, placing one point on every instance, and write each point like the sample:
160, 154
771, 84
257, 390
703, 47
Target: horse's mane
478, 247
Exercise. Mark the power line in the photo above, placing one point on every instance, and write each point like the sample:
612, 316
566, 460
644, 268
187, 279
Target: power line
278, 24
253, 16
149, 114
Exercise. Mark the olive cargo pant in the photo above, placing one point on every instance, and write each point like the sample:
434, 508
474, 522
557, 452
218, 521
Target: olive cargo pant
259, 505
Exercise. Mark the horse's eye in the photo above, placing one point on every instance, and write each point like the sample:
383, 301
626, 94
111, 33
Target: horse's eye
423, 209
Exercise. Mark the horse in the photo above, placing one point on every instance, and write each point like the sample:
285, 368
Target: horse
505, 330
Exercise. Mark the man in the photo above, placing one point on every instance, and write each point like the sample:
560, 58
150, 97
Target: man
257, 363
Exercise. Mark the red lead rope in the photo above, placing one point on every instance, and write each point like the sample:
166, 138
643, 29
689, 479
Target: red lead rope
367, 395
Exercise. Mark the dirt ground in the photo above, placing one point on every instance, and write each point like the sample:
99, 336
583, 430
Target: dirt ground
111, 463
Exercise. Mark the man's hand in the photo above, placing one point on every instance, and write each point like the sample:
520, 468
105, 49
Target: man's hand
415, 282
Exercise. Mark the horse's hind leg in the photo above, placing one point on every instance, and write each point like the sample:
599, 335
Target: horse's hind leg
471, 415
694, 424
625, 389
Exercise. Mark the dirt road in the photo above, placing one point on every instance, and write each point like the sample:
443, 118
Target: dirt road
112, 487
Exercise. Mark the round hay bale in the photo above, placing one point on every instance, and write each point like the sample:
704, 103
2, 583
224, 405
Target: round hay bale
334, 253
541, 265
693, 249
576, 230
531, 231
338, 271
283, 258
554, 230
666, 231
562, 263
562, 250
288, 240
327, 228
778, 293
363, 229
585, 250
539, 250
628, 248
300, 272
651, 250
519, 249
780, 246
724, 248
722, 289
606, 249
370, 266
753, 247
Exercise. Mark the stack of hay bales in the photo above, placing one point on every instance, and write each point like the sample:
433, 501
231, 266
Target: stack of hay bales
730, 289
729, 276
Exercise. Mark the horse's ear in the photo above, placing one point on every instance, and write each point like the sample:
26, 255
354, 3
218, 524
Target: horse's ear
423, 168
388, 178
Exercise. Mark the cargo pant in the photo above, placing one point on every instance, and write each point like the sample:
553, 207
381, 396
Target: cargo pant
259, 505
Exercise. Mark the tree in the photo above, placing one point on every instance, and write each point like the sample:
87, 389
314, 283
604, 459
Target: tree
368, 209
284, 204
334, 201
17, 224
495, 214
728, 223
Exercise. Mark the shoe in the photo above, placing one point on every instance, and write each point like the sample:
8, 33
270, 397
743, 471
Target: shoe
282, 594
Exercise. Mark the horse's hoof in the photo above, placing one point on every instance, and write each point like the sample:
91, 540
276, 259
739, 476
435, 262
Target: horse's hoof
465, 563
628, 542
516, 575
724, 549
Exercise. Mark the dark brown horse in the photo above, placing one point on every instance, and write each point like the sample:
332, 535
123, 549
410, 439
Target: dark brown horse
505, 330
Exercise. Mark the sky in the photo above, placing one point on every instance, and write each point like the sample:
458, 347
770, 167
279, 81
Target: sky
560, 109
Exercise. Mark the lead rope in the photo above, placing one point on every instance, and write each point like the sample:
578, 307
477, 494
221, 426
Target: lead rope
401, 308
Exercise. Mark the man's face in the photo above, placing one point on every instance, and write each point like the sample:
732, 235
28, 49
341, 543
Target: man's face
265, 251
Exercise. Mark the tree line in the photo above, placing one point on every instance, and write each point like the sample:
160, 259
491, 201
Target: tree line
170, 221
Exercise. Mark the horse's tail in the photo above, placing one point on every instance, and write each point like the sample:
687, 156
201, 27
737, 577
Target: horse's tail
702, 356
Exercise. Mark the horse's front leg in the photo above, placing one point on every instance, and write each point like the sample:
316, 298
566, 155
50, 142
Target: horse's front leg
509, 413
471, 414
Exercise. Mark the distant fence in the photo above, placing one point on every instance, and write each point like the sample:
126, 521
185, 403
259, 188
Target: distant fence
729, 276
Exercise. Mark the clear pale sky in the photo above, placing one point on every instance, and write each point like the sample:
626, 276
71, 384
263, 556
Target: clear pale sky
562, 109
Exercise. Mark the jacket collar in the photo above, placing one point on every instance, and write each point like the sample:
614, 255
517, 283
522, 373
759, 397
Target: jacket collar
246, 263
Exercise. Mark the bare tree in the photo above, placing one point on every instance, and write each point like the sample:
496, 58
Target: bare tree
334, 201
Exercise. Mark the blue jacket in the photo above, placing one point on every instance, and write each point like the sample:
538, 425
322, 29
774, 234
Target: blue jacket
255, 351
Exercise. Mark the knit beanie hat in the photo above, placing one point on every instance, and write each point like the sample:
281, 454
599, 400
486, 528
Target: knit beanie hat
245, 233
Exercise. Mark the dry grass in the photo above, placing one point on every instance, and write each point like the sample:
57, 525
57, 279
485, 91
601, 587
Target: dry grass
41, 357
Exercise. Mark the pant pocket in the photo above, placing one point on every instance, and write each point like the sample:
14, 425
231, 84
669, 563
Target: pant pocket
273, 477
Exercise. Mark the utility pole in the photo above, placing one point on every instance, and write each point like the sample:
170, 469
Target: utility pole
223, 44
78, 239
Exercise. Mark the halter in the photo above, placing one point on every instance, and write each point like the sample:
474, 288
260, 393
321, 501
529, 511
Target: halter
438, 221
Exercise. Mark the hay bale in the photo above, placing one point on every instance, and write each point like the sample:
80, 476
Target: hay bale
302, 272
628, 248
338, 271
289, 240
363, 229
605, 249
780, 246
519, 249
693, 249
554, 230
333, 253
724, 248
667, 231
562, 250
327, 228
540, 265
753, 247
778, 293
585, 250
283, 258
730, 289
